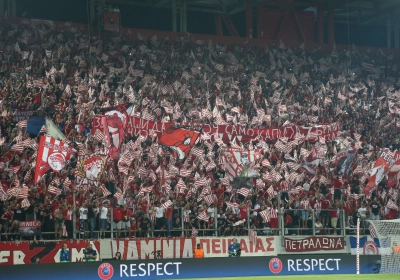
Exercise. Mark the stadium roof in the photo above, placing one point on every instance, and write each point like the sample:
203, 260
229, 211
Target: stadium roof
362, 12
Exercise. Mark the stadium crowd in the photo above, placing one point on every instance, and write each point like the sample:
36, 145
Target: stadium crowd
69, 77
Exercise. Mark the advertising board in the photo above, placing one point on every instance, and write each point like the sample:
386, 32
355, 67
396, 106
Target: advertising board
12, 253
218, 246
198, 268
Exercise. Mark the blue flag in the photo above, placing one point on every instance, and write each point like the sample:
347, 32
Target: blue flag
369, 245
35, 124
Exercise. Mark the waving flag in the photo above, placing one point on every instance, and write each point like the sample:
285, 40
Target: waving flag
195, 232
91, 167
345, 161
253, 236
394, 174
52, 154
311, 162
240, 163
179, 140
112, 124
381, 167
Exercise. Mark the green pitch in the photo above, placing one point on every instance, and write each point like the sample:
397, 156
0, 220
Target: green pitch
314, 277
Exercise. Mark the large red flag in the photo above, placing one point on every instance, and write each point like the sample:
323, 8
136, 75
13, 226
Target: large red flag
179, 140
381, 167
52, 154
112, 124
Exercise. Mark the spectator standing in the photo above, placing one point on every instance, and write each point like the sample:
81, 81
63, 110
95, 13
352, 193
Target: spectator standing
103, 220
68, 219
375, 209
6, 219
168, 215
47, 220
92, 216
160, 220
117, 219
145, 226
126, 221
83, 218
333, 212
58, 221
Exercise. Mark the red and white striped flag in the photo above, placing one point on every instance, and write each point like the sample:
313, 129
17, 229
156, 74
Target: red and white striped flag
239, 222
3, 194
209, 199
118, 195
25, 203
203, 216
67, 183
270, 192
232, 204
104, 190
22, 123
99, 136
372, 231
13, 192
265, 214
253, 236
54, 190
167, 204
52, 154
243, 191
391, 205
17, 148
195, 232
23, 192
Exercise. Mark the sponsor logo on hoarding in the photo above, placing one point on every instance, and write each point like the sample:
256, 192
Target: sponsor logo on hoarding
105, 271
275, 265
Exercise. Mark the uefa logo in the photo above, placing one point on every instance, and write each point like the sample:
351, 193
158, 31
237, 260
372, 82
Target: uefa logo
275, 265
105, 271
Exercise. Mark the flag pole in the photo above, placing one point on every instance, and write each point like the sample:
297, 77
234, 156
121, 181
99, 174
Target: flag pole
358, 247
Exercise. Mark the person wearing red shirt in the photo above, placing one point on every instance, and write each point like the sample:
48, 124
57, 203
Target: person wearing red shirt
324, 211
68, 218
243, 211
168, 215
126, 220
117, 219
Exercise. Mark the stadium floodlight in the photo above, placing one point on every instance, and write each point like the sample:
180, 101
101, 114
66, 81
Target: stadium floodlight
388, 233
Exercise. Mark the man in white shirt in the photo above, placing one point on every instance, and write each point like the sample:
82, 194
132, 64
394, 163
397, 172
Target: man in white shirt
210, 210
103, 219
362, 211
83, 211
160, 220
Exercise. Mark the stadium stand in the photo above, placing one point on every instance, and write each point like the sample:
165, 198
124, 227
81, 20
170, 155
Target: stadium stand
339, 163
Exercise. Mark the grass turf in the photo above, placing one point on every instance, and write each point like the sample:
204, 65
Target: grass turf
314, 277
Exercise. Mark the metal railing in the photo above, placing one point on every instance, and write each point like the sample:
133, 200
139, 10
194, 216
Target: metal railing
282, 230
309, 226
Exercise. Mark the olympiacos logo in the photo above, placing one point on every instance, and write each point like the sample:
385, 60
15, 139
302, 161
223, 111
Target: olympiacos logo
105, 271
275, 265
